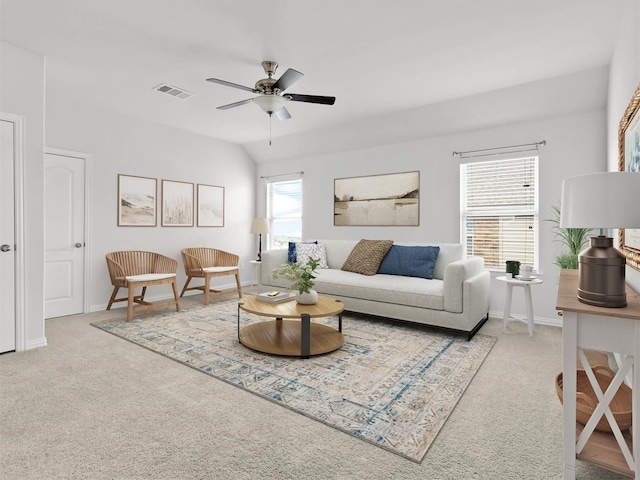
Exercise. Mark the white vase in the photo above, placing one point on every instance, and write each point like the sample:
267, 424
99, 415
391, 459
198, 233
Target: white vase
307, 298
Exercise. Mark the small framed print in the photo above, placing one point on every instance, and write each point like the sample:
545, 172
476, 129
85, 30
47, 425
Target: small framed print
137, 201
177, 204
210, 205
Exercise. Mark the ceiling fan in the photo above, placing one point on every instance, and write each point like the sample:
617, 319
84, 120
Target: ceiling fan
271, 97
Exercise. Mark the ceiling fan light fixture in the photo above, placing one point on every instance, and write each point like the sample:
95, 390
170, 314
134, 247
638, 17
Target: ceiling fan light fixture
270, 103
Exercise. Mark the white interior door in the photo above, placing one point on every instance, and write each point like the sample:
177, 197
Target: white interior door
64, 234
7, 238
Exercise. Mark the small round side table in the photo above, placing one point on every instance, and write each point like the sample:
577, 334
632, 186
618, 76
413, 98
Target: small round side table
526, 285
256, 272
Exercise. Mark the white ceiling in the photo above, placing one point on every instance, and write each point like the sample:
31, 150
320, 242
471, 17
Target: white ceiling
378, 57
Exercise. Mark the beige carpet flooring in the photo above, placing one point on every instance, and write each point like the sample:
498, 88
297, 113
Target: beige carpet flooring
93, 406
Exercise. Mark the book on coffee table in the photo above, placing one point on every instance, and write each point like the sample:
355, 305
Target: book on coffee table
275, 296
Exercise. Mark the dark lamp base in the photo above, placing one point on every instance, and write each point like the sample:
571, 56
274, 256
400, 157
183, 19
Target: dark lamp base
601, 275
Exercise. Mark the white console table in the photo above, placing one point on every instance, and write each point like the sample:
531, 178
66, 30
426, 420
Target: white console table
611, 330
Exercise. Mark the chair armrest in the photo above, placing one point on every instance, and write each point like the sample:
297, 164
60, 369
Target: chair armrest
115, 269
455, 276
191, 263
226, 259
165, 264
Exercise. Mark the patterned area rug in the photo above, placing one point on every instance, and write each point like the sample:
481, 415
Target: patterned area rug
391, 384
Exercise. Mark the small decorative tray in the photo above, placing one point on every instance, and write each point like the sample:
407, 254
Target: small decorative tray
586, 400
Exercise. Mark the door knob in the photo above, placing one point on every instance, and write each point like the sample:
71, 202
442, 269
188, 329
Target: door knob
78, 245
5, 248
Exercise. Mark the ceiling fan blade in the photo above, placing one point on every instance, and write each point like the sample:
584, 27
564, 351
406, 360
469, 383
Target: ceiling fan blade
296, 97
231, 84
283, 114
233, 105
287, 79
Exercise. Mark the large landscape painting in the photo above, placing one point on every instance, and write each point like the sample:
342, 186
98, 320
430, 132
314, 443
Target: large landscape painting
136, 201
377, 200
629, 161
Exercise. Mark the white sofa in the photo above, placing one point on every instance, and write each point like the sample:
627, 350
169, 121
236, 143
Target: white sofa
456, 299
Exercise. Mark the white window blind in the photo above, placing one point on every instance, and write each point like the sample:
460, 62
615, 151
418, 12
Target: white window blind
284, 211
499, 210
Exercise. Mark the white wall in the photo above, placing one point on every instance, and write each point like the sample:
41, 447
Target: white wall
623, 81
22, 93
550, 97
122, 145
575, 144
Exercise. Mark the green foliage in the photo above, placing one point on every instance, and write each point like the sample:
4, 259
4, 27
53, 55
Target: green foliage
567, 260
300, 275
575, 239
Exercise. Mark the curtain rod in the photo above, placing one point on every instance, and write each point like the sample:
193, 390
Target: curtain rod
266, 177
480, 153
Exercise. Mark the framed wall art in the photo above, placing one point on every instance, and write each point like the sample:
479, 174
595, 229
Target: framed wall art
177, 204
137, 201
377, 200
210, 206
629, 161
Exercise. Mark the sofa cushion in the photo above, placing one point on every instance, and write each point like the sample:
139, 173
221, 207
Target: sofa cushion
410, 261
292, 253
366, 256
393, 289
338, 251
305, 251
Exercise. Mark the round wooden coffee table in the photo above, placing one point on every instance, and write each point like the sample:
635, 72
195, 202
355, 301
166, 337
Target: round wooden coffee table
292, 333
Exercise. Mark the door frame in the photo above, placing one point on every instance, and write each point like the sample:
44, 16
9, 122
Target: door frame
86, 284
18, 206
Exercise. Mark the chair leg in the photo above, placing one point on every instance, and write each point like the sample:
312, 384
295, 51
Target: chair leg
130, 303
207, 283
113, 297
186, 284
175, 295
239, 285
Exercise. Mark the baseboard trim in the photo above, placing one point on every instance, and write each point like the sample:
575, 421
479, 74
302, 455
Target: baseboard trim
40, 342
553, 322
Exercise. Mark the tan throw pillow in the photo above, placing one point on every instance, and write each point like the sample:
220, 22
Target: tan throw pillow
366, 256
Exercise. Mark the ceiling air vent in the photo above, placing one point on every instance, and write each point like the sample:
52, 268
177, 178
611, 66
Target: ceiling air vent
173, 91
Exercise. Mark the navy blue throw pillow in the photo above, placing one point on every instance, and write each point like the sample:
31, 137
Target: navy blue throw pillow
410, 261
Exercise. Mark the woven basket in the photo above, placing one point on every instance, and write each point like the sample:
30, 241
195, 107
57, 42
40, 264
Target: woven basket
586, 400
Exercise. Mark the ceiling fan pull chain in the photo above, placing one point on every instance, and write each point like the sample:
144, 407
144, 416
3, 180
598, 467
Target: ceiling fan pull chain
270, 118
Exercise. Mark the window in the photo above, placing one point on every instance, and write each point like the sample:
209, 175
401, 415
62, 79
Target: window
499, 210
284, 211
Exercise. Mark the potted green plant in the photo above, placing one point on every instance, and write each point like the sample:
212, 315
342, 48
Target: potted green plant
575, 239
301, 276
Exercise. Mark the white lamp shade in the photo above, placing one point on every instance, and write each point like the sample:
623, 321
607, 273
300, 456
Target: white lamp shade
259, 225
270, 103
601, 200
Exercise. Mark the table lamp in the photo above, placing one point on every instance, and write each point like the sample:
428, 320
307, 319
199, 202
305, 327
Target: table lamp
259, 226
601, 200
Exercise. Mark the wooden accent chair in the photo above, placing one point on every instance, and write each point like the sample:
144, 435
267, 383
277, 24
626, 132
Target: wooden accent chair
139, 269
203, 262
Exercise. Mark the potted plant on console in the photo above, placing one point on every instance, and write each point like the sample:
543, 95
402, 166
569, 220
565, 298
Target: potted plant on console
301, 276
573, 238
